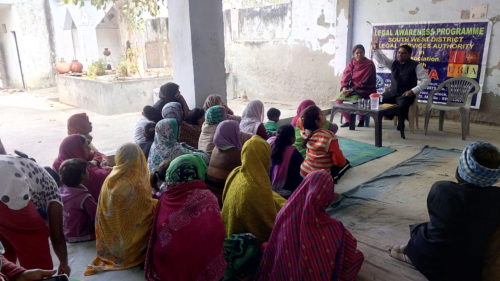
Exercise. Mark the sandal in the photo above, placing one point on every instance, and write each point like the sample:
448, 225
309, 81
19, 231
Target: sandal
397, 252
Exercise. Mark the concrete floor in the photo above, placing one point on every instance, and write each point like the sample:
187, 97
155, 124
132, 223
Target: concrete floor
35, 123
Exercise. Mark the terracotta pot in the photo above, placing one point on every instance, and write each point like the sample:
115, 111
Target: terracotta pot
62, 67
106, 52
76, 66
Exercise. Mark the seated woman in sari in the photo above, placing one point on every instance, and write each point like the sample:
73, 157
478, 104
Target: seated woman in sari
124, 213
80, 124
463, 218
213, 117
299, 129
170, 93
28, 194
225, 157
358, 81
166, 145
306, 243
253, 118
250, 205
214, 100
286, 161
190, 130
176, 249
77, 146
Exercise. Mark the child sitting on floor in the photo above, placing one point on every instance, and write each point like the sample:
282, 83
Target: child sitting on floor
323, 151
79, 205
149, 136
272, 125
149, 114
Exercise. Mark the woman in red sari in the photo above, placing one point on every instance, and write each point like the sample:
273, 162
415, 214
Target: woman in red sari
188, 232
78, 146
306, 243
358, 81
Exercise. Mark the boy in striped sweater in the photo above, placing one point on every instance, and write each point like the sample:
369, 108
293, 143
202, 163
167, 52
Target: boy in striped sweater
323, 151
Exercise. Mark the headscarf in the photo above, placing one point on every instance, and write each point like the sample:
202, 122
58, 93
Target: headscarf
124, 213
165, 144
302, 106
79, 124
253, 116
186, 168
474, 173
306, 243
71, 147
22, 181
212, 100
215, 114
227, 135
172, 110
250, 205
168, 91
188, 232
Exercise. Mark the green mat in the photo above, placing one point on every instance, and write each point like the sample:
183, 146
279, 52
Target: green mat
359, 152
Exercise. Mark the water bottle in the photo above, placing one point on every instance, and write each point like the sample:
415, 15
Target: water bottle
374, 100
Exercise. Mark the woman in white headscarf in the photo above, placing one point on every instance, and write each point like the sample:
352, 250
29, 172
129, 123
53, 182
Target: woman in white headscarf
251, 121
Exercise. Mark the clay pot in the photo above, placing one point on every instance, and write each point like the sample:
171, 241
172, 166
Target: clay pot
76, 66
62, 67
106, 52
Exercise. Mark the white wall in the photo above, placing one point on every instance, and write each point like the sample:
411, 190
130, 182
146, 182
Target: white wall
197, 43
8, 48
182, 52
85, 20
109, 38
383, 11
28, 20
286, 50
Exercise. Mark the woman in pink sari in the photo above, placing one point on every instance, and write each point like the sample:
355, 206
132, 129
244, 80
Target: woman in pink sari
186, 242
306, 243
77, 146
358, 81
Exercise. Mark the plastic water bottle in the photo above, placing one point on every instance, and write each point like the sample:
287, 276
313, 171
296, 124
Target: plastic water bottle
374, 100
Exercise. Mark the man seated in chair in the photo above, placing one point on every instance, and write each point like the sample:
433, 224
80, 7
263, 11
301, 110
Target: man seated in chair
408, 78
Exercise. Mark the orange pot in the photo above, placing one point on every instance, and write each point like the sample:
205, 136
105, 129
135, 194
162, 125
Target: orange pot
76, 66
62, 67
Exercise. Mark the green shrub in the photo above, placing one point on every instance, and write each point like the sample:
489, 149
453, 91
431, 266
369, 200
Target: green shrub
97, 68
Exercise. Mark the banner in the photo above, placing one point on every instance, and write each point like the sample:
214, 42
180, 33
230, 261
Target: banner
445, 49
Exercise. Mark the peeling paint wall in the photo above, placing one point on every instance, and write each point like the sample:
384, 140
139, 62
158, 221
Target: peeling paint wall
29, 20
285, 50
387, 11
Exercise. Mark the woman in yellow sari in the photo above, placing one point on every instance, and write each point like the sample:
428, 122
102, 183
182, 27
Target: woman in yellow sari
124, 213
249, 203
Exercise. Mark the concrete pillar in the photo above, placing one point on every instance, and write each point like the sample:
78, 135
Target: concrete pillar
196, 34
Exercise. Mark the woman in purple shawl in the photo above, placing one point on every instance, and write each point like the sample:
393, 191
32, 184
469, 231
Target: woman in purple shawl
225, 157
286, 161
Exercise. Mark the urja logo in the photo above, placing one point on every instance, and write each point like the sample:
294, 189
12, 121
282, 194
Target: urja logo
466, 70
